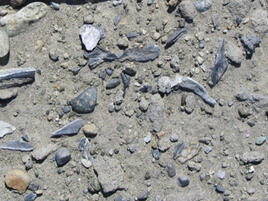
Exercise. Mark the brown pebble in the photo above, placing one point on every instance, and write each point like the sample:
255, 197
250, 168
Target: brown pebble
18, 180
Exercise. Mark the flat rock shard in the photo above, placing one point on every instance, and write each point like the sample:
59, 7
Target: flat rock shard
16, 77
145, 54
17, 145
6, 128
220, 65
188, 84
70, 129
98, 56
174, 36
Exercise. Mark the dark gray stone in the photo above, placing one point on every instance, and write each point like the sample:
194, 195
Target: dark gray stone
113, 83
143, 196
86, 101
184, 181
30, 197
188, 84
145, 54
98, 56
220, 65
174, 36
17, 145
83, 147
63, 156
177, 150
117, 20
130, 71
126, 81
14, 77
70, 129
171, 170
250, 41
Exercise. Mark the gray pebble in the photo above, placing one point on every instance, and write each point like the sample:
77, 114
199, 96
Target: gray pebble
177, 150
220, 174
174, 138
156, 154
62, 157
220, 188
183, 181
208, 149
260, 140
203, 5
171, 170
113, 83
30, 197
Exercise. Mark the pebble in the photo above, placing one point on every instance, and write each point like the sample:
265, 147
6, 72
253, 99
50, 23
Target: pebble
188, 10
156, 112
18, 180
251, 191
183, 181
220, 174
144, 104
89, 19
4, 45
53, 56
110, 174
234, 53
148, 138
86, 163
192, 166
156, 154
6, 128
90, 130
253, 157
70, 129
163, 144
220, 188
62, 156
203, 5
207, 149
171, 170
27, 161
113, 83
174, 138
16, 23
86, 101
260, 140
250, 42
42, 152
90, 36
30, 197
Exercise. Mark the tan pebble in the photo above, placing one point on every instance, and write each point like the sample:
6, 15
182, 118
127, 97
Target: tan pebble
18, 180
90, 130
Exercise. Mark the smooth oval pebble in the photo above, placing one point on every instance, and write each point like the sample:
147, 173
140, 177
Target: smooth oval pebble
18, 180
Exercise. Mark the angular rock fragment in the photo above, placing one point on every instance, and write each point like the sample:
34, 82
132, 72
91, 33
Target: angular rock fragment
259, 20
113, 83
83, 147
6, 128
250, 41
156, 112
163, 85
41, 153
98, 56
174, 36
202, 5
18, 180
70, 129
239, 9
234, 53
90, 36
86, 101
188, 84
30, 197
177, 150
145, 54
110, 174
220, 65
94, 185
126, 81
187, 10
18, 22
253, 157
188, 153
16, 145
16, 77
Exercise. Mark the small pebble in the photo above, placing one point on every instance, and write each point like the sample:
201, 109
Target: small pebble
260, 140
220, 188
184, 181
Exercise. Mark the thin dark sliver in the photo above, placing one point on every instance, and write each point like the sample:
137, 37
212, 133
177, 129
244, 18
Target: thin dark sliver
173, 37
